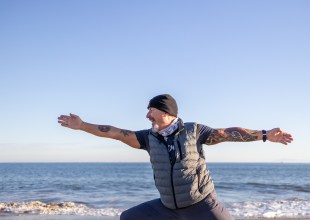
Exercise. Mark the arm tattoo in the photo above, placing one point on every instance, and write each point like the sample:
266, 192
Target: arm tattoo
104, 128
215, 137
240, 134
231, 134
125, 132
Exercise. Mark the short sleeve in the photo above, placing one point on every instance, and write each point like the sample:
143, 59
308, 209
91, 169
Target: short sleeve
203, 133
142, 137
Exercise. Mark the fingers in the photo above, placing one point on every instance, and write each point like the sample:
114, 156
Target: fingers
67, 117
64, 120
63, 117
286, 138
70, 121
73, 115
64, 125
285, 142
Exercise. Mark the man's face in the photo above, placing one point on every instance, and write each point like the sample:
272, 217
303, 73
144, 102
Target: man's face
156, 117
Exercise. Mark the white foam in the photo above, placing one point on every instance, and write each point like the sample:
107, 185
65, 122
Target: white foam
271, 209
267, 209
65, 208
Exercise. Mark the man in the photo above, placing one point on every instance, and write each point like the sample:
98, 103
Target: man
178, 160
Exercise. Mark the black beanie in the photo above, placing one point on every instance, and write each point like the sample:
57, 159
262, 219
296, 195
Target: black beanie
165, 103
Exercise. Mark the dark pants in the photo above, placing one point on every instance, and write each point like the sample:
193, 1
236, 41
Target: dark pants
207, 209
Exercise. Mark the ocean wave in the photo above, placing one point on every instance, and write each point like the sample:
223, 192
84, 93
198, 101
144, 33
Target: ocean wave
298, 188
63, 208
268, 187
271, 209
252, 209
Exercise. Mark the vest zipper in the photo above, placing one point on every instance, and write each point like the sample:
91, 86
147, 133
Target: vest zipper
172, 162
172, 185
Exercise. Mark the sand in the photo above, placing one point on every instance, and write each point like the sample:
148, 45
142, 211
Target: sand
74, 217
57, 217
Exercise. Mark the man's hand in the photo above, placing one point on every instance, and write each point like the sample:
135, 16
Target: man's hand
70, 121
277, 135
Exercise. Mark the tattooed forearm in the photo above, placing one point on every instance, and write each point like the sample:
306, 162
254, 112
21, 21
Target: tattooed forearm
107, 128
231, 134
104, 128
214, 137
240, 134
126, 132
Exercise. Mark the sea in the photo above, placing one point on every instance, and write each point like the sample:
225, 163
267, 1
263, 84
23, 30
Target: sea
248, 190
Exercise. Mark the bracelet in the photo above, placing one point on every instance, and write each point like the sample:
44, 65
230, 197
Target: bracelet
264, 135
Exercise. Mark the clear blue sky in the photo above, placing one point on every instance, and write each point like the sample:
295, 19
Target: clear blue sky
227, 63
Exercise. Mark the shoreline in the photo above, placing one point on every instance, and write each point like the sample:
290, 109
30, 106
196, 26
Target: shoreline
76, 217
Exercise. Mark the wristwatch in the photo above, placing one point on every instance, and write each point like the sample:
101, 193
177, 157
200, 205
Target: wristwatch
264, 135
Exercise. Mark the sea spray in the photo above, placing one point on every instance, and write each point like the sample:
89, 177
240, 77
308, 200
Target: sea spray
63, 208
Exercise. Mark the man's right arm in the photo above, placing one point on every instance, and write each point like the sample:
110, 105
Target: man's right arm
74, 122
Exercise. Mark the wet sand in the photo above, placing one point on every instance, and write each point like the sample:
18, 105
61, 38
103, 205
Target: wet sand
73, 217
58, 217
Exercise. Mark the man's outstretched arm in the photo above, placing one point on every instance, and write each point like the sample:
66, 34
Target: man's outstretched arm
236, 134
74, 122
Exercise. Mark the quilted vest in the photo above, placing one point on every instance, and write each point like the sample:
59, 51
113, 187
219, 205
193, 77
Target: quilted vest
187, 181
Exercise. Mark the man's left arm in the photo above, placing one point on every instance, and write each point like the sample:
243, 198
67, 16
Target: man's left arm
237, 134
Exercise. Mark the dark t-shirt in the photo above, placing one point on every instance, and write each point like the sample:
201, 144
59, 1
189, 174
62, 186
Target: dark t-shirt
203, 133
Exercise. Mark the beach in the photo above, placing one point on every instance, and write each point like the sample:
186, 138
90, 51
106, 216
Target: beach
58, 217
70, 217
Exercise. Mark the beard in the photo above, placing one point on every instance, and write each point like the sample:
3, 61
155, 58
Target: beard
155, 128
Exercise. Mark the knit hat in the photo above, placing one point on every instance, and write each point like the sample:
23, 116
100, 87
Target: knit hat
165, 103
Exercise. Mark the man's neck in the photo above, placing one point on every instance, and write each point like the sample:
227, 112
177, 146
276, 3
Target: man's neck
168, 130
